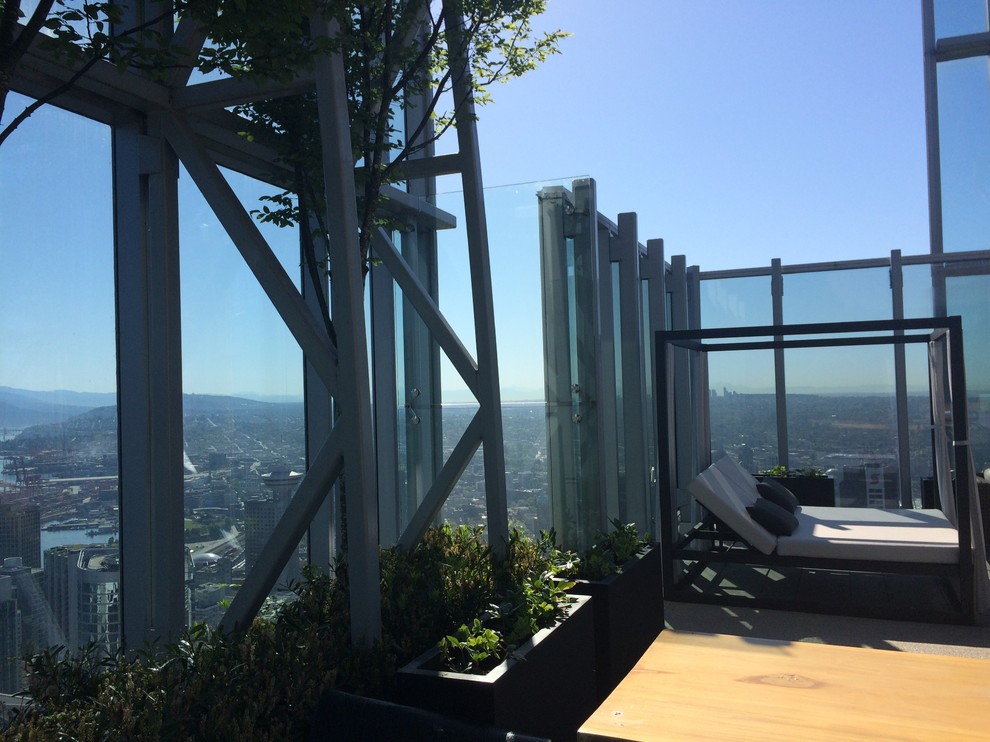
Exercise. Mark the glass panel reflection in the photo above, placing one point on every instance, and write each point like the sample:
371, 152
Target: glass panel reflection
743, 407
59, 500
919, 297
968, 296
837, 296
842, 420
514, 231
964, 151
243, 415
959, 17
736, 302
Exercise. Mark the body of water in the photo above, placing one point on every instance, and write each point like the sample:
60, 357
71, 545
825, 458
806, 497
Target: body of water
51, 539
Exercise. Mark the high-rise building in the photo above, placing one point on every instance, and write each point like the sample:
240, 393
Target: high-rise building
20, 532
262, 515
38, 625
10, 638
83, 588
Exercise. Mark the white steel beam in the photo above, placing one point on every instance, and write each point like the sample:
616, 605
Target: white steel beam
932, 137
306, 501
653, 273
149, 363
40, 71
149, 385
187, 41
490, 397
449, 473
347, 298
384, 371
601, 230
633, 384
422, 393
232, 91
323, 543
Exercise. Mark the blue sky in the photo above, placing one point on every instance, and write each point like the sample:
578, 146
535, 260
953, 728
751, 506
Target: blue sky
738, 132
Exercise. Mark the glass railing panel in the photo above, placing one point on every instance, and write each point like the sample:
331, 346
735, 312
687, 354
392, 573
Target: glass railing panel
969, 297
514, 232
837, 296
842, 420
959, 17
743, 407
59, 497
918, 290
243, 418
736, 302
964, 152
966, 286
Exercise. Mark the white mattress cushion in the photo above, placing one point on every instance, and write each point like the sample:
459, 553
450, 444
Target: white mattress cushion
872, 534
745, 489
720, 489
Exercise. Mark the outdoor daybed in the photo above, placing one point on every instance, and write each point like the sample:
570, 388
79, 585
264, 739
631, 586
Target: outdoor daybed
925, 536
922, 542
818, 543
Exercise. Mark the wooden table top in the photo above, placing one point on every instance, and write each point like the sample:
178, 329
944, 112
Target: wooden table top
690, 686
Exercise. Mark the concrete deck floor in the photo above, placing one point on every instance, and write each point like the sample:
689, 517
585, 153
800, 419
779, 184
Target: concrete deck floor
905, 636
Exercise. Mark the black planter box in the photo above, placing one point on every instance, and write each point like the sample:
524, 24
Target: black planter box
547, 689
628, 609
817, 491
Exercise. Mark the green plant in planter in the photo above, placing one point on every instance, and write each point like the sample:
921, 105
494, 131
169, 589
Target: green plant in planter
610, 551
527, 595
471, 648
264, 684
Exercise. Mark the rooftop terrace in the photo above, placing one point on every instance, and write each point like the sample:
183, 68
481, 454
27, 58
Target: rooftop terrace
392, 370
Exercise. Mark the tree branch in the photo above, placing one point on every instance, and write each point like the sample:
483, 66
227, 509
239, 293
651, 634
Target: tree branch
20, 44
76, 76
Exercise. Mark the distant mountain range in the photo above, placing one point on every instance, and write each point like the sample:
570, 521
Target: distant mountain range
22, 408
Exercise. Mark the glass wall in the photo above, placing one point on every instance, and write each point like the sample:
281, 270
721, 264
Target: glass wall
963, 287
736, 302
842, 418
243, 416
742, 407
960, 17
513, 218
837, 296
969, 297
855, 413
58, 416
964, 152
841, 410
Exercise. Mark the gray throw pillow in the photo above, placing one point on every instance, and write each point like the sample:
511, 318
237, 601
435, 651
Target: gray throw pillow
773, 517
777, 493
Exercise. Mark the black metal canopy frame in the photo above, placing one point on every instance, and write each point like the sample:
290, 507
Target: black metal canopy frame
710, 541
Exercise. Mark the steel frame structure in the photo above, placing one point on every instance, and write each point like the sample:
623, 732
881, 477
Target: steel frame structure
157, 125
